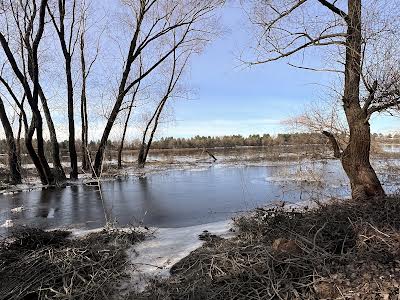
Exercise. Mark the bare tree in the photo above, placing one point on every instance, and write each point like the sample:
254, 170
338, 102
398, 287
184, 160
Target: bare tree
179, 62
286, 29
128, 115
68, 42
85, 72
13, 159
20, 16
155, 21
27, 14
22, 120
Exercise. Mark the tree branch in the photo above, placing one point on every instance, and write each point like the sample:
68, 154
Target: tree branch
382, 107
371, 97
335, 9
335, 145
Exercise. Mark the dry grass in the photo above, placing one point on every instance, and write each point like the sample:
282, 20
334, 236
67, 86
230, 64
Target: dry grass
36, 264
344, 250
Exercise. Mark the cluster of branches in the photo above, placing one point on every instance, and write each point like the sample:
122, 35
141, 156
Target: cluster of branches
155, 40
290, 29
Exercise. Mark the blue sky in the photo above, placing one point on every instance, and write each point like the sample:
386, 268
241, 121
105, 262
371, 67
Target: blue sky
233, 99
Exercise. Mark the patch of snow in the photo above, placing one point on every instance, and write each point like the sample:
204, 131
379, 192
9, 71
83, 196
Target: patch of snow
287, 179
156, 256
17, 209
7, 224
50, 215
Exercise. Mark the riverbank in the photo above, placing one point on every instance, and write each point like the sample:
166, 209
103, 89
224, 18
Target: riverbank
332, 250
339, 250
105, 263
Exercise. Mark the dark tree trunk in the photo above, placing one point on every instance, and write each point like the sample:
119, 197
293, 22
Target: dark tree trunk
40, 148
121, 145
13, 159
20, 124
356, 163
67, 52
38, 159
84, 134
59, 174
84, 114
71, 124
355, 158
123, 89
120, 149
141, 160
145, 147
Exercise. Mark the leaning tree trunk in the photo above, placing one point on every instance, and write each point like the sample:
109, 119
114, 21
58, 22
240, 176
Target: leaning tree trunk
145, 147
121, 145
355, 158
38, 159
98, 161
40, 148
59, 175
356, 163
13, 159
20, 124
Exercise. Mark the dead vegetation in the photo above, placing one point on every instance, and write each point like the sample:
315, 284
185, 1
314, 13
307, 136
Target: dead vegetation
340, 250
36, 264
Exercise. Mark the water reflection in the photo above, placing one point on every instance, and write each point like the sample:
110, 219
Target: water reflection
175, 198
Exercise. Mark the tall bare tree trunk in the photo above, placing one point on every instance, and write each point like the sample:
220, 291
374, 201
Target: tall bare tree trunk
13, 159
84, 134
84, 114
71, 124
67, 49
355, 158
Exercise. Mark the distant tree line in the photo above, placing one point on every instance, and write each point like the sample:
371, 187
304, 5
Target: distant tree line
238, 140
226, 141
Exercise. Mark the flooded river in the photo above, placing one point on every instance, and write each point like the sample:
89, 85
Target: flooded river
175, 198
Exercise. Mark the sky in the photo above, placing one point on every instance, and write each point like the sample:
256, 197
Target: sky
228, 97
232, 98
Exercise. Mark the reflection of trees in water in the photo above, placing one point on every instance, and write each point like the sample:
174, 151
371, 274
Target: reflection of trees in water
50, 199
149, 203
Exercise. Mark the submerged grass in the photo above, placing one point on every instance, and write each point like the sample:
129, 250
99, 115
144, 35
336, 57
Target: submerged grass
340, 250
37, 264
